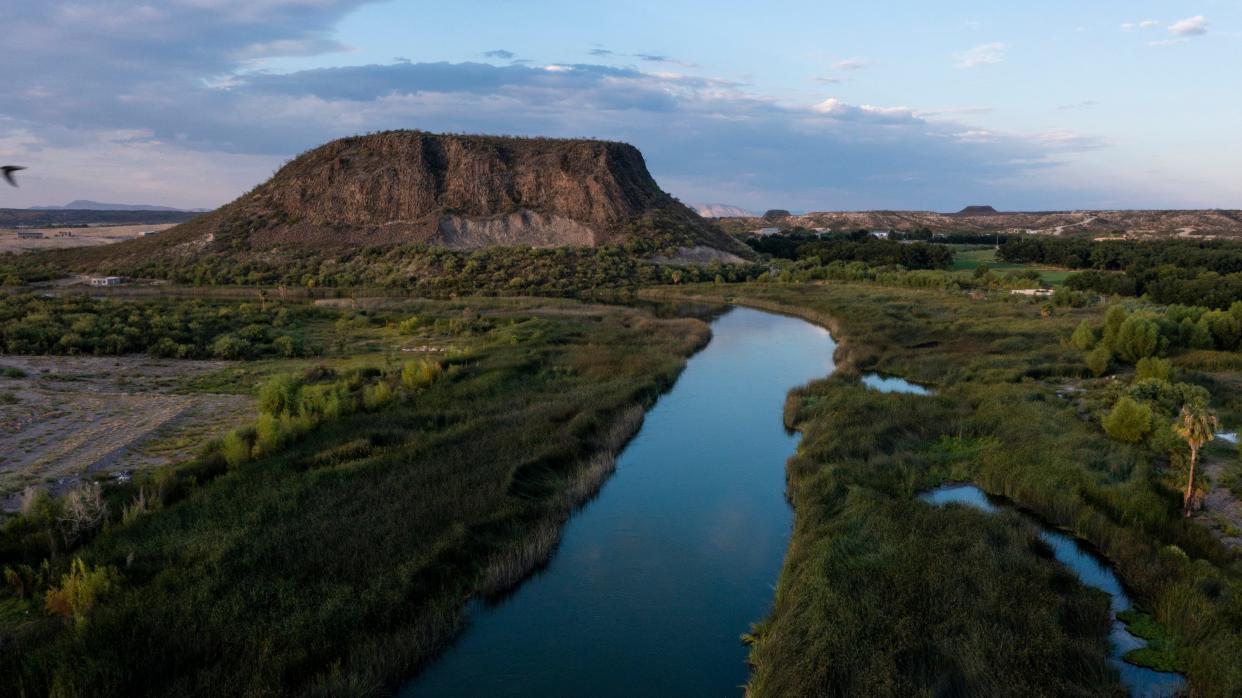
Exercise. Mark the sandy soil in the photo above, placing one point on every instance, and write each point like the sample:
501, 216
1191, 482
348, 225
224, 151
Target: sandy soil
1222, 512
79, 237
71, 417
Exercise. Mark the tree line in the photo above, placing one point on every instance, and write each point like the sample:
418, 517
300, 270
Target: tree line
1188, 272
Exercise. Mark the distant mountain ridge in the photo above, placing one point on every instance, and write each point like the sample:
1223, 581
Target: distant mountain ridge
984, 219
87, 205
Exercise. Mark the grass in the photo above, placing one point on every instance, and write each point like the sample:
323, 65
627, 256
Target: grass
883, 596
340, 564
969, 257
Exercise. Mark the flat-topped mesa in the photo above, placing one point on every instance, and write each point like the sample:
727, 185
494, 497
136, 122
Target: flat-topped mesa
457, 191
978, 211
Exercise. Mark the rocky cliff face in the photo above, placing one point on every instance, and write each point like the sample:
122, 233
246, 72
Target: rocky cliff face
457, 191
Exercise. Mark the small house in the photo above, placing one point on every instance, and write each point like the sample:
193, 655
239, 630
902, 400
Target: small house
29, 235
764, 232
1032, 292
880, 234
106, 281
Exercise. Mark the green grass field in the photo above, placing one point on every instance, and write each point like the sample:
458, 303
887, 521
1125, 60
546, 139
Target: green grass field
968, 257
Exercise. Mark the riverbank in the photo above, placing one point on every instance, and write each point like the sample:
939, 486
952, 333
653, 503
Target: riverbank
342, 560
882, 595
656, 578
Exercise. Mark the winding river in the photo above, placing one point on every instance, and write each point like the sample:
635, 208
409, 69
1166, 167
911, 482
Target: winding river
655, 581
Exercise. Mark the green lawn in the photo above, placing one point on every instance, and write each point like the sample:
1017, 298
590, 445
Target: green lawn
968, 257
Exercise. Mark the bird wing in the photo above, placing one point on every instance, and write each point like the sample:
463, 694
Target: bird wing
8, 171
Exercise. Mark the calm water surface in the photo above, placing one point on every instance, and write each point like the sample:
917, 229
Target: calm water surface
656, 579
1093, 571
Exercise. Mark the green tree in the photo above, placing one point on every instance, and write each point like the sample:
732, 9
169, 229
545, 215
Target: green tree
1098, 360
1137, 338
1114, 318
1129, 421
1084, 337
1152, 367
1197, 426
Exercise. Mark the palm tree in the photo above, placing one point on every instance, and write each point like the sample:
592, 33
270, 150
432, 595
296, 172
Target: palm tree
1197, 426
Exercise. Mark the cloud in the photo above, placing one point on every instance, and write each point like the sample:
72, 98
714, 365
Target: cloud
170, 93
599, 52
984, 54
851, 64
829, 79
500, 53
1144, 24
1085, 104
1191, 26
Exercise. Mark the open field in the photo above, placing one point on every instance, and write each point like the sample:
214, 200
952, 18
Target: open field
56, 239
77, 417
969, 257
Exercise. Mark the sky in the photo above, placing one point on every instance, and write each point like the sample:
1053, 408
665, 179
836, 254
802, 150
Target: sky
797, 104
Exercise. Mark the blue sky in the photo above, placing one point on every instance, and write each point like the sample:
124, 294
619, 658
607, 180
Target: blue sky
791, 104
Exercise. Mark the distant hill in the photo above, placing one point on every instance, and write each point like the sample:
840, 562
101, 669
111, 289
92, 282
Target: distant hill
721, 211
978, 211
975, 219
87, 205
455, 191
43, 218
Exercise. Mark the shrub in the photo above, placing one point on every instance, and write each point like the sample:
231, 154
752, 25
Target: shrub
80, 590
1152, 367
230, 346
419, 374
1129, 421
1136, 339
1084, 337
376, 396
235, 448
82, 512
279, 394
1098, 360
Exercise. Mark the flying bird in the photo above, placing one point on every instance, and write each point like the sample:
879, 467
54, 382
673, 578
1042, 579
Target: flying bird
8, 171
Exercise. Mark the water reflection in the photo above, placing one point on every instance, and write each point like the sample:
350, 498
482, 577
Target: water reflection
1094, 572
657, 578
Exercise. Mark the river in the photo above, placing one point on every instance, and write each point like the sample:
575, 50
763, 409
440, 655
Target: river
655, 581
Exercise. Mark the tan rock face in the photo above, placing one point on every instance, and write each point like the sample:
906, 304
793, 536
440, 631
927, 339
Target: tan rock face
463, 192
415, 181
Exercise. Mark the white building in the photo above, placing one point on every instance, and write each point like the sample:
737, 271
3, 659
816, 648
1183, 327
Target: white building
29, 235
106, 281
764, 232
148, 233
880, 234
1032, 292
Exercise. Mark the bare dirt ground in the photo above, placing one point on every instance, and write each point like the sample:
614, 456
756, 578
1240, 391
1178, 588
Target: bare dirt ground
77, 237
1222, 511
75, 417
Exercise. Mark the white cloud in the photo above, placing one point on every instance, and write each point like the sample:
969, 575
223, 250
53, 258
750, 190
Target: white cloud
984, 54
1145, 24
851, 64
1191, 26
